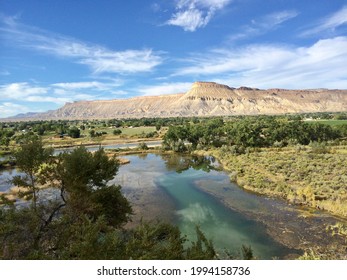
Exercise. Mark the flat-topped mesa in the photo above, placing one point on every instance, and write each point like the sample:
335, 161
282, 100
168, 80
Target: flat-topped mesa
208, 85
247, 88
208, 91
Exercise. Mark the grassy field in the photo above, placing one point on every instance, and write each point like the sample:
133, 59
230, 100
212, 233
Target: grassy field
136, 130
329, 122
126, 135
297, 174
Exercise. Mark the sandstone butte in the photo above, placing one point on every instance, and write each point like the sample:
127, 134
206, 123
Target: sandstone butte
203, 99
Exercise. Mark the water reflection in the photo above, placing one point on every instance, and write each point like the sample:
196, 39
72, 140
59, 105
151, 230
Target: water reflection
178, 163
197, 214
6, 176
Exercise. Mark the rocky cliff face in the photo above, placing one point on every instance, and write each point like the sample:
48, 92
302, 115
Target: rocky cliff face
206, 99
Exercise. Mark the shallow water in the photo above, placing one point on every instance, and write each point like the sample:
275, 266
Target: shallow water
5, 177
187, 206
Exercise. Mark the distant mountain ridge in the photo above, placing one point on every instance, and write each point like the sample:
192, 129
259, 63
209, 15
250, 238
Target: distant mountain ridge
203, 99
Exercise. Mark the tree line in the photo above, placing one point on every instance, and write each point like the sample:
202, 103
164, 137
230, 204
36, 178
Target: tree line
249, 132
73, 128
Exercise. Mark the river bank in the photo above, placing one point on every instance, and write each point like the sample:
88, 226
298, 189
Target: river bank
309, 229
300, 176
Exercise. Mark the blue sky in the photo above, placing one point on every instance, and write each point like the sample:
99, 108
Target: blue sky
58, 51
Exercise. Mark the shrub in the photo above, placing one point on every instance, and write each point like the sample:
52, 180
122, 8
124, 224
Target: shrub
142, 146
74, 132
117, 132
319, 148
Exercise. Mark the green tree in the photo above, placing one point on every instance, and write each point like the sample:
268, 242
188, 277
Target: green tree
246, 133
83, 180
92, 133
29, 158
117, 132
201, 249
40, 130
174, 138
5, 136
74, 132
195, 134
89, 208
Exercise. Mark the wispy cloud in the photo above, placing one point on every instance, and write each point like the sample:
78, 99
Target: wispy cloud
10, 109
14, 95
319, 65
264, 24
194, 14
58, 93
165, 88
20, 91
86, 85
50, 99
329, 24
277, 18
98, 58
25, 92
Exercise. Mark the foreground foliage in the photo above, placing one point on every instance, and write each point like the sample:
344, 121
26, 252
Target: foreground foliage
80, 237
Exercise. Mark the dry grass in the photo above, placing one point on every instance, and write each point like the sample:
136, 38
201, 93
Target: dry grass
297, 174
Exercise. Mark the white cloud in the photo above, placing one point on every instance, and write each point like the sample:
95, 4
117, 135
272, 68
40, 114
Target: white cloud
98, 58
58, 93
51, 99
10, 109
319, 65
330, 23
20, 91
31, 93
130, 61
166, 88
278, 18
94, 88
264, 24
189, 20
86, 85
77, 85
194, 14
